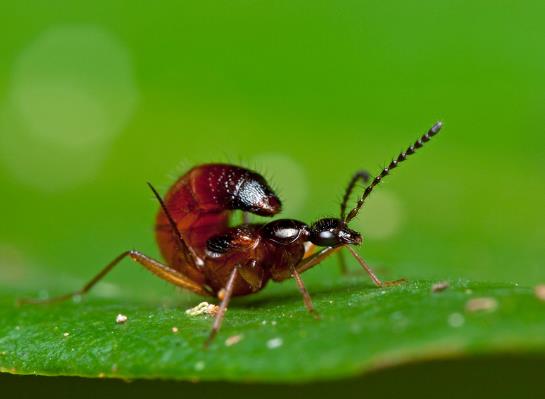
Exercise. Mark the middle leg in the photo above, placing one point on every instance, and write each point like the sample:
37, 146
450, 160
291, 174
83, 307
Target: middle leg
227, 292
306, 296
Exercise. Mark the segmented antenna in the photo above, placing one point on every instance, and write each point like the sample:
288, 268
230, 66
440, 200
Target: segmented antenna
190, 256
395, 162
362, 175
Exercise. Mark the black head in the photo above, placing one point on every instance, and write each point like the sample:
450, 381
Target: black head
331, 232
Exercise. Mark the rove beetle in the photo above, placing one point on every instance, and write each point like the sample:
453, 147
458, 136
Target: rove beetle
205, 255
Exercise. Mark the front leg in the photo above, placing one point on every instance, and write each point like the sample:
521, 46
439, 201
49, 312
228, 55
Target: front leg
372, 274
313, 260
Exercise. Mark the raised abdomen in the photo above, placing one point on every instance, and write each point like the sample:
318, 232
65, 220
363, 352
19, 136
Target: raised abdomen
200, 203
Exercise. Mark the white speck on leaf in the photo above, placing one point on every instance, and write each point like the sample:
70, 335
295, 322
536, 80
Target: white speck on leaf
121, 318
482, 304
233, 340
439, 286
275, 343
203, 308
399, 321
456, 320
539, 290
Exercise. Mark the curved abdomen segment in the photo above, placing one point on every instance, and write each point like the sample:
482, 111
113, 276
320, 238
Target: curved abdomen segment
200, 203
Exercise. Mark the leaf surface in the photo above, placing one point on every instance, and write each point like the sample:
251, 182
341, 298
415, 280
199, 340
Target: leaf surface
361, 328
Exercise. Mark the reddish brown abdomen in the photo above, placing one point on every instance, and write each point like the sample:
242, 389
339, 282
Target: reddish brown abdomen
200, 203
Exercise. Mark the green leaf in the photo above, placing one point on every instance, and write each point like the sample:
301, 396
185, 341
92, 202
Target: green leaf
361, 328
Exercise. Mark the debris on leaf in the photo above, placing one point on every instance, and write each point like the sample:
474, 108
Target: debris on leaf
275, 343
121, 318
174, 330
233, 340
66, 334
440, 286
203, 308
539, 290
481, 304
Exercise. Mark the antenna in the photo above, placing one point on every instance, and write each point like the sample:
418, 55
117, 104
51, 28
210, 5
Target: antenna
395, 162
187, 251
362, 175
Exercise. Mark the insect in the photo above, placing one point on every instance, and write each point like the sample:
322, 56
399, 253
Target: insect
205, 255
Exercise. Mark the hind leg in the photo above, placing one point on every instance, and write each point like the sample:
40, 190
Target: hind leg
157, 268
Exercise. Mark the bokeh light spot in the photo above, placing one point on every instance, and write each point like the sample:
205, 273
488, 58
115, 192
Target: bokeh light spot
13, 265
74, 85
381, 217
43, 165
287, 177
71, 93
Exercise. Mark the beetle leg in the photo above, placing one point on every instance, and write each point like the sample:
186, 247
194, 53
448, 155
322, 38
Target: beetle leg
345, 271
342, 263
305, 264
311, 261
227, 293
252, 275
157, 268
372, 274
304, 292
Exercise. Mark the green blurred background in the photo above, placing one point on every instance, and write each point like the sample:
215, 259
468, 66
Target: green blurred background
96, 99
